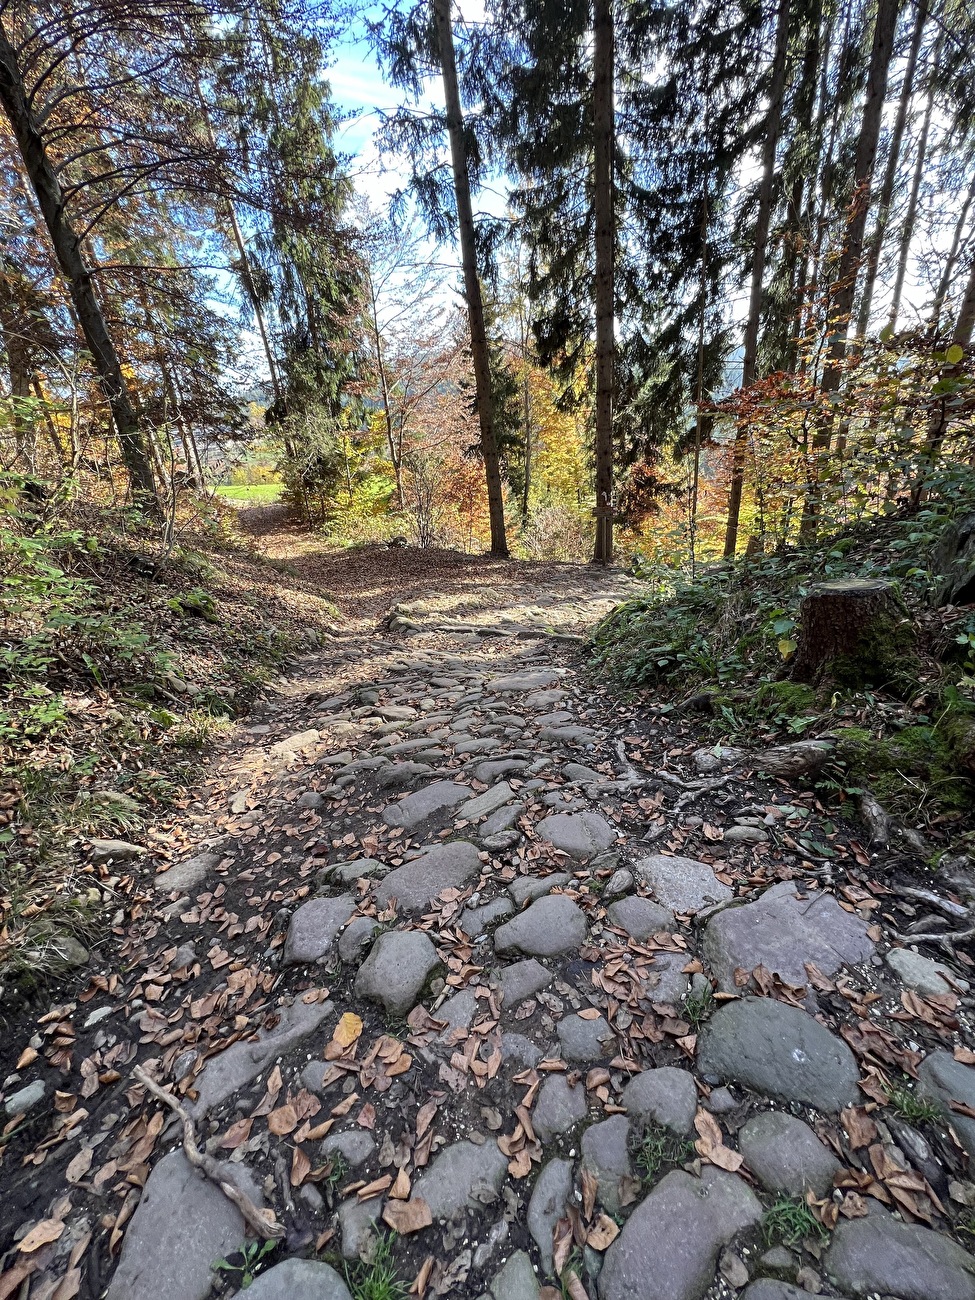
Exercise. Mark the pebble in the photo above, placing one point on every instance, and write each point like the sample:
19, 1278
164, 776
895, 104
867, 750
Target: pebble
560, 1107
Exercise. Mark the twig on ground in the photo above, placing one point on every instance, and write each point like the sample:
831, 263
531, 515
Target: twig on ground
946, 941
262, 1221
956, 910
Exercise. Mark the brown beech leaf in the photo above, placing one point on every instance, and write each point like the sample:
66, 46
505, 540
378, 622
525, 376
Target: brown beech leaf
401, 1187
603, 1233
348, 1029
860, 1128
590, 1186
79, 1165
282, 1121
237, 1134
407, 1216
46, 1231
419, 1287
367, 1116
725, 1158
300, 1167
964, 1055
589, 1013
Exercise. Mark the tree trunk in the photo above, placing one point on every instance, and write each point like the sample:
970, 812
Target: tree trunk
472, 283
749, 367
876, 243
965, 321
67, 249
844, 285
852, 633
910, 217
944, 284
605, 250
397, 460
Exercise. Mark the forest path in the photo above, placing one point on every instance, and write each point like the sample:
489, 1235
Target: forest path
446, 944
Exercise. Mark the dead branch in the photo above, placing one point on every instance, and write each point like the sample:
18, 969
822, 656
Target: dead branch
946, 941
956, 910
262, 1221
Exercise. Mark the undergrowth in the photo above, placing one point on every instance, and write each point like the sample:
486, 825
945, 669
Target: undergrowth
721, 645
121, 660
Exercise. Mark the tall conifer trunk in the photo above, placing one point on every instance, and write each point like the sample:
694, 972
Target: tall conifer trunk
472, 283
67, 249
749, 369
605, 241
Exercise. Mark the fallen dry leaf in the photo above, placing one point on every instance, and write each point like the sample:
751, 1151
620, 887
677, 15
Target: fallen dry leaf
603, 1233
401, 1187
41, 1233
407, 1216
348, 1029
282, 1121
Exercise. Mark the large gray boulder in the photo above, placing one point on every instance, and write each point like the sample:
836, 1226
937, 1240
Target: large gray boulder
416, 884
428, 802
681, 884
183, 1223
880, 1256
552, 925
780, 1051
299, 1279
943, 1080
396, 970
669, 1247
782, 931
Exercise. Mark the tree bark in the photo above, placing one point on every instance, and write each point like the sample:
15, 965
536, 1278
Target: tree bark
910, 217
472, 282
944, 284
852, 632
876, 243
749, 367
67, 249
605, 251
965, 321
844, 285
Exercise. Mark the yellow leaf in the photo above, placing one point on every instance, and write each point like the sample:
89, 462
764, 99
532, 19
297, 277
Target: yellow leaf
954, 354
348, 1029
787, 648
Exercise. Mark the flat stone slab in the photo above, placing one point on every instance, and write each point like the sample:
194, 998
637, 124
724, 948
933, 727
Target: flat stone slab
315, 927
416, 884
640, 918
942, 1079
520, 980
785, 1155
181, 1225
463, 1174
879, 1255
578, 773
666, 1096
558, 1108
397, 968
502, 819
355, 1145
780, 1051
516, 1280
669, 1247
294, 1278
550, 1195
665, 981
347, 873
525, 889
682, 884
429, 801
521, 683
781, 932
568, 735
922, 974
581, 835
552, 925
486, 803
585, 1040
767, 1288
187, 875
234, 1068
605, 1154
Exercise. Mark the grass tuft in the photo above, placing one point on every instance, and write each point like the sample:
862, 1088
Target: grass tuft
790, 1221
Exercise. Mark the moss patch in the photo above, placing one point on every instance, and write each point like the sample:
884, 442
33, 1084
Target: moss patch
915, 764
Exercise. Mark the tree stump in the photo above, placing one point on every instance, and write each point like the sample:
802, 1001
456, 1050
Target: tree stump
853, 632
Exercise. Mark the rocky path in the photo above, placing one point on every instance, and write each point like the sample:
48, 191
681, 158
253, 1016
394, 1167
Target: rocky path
466, 976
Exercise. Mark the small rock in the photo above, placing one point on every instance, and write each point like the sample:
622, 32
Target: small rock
476, 920
922, 974
397, 968
357, 1220
488, 802
682, 884
462, 1174
581, 835
310, 799
522, 979
525, 889
429, 801
356, 939
605, 1153
516, 1047
347, 873
943, 1080
666, 1096
551, 926
721, 1101
640, 918
781, 1051
786, 1155
559, 1107
115, 851
68, 951
355, 1145
732, 1269
767, 1289
744, 835
314, 927
780, 1263
304, 1278
516, 1281
585, 1040
25, 1099
620, 882
186, 875
550, 1195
